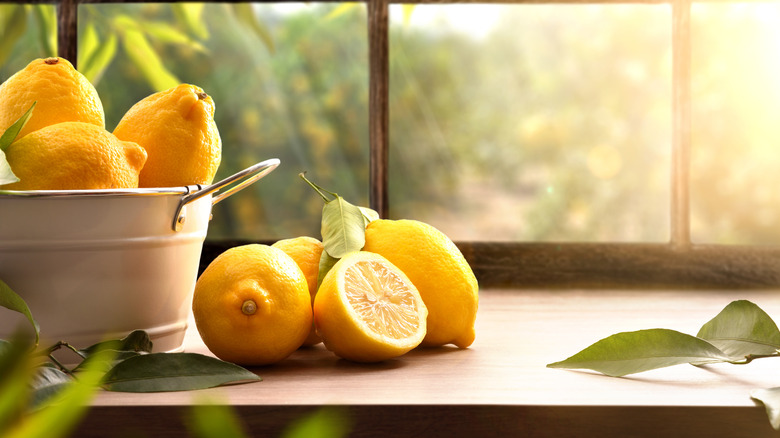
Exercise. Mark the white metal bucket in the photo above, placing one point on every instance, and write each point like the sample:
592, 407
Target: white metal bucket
93, 264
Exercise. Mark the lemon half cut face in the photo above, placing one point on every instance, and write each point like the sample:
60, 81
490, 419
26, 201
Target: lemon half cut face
367, 310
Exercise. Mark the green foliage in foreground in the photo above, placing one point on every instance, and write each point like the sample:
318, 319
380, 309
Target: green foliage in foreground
42, 398
739, 334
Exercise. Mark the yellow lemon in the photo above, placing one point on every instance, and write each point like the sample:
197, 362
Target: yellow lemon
61, 92
74, 156
177, 129
252, 305
367, 310
306, 251
438, 270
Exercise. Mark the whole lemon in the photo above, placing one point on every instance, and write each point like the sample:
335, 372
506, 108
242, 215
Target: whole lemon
367, 310
74, 156
306, 251
177, 129
438, 269
61, 92
252, 305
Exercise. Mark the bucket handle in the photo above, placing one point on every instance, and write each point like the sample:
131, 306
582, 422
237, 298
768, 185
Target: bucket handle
241, 180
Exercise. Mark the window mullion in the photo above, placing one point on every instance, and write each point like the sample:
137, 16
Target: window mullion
67, 29
378, 106
681, 125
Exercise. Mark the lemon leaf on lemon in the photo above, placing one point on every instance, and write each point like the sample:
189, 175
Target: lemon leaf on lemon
10, 134
7, 176
343, 228
326, 262
369, 215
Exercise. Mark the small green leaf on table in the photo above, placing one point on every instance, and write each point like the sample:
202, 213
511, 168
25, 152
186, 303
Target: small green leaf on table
633, 352
742, 329
158, 372
48, 381
136, 341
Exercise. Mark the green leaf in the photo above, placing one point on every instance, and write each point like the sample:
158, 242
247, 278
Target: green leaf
10, 134
158, 372
48, 382
369, 215
328, 422
7, 175
16, 367
343, 228
771, 400
94, 65
407, 9
10, 300
634, 352
66, 408
88, 44
246, 15
341, 10
13, 24
137, 340
46, 17
211, 420
742, 329
145, 58
165, 33
190, 15
326, 262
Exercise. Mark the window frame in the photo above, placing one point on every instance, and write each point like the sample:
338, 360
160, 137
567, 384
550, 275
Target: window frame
678, 263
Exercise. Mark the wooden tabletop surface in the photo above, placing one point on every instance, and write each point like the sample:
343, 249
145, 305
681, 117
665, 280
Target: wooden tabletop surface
497, 387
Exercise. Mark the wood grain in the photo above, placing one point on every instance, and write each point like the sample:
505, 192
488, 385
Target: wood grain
597, 266
499, 386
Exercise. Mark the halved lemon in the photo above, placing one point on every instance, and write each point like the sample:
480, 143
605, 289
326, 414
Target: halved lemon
367, 310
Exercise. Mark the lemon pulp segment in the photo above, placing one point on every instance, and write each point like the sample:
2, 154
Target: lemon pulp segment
381, 299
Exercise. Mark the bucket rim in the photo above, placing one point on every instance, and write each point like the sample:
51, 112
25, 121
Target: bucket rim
151, 191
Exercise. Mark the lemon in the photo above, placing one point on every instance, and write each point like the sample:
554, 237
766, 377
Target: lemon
177, 129
439, 271
74, 156
252, 305
61, 92
367, 310
306, 252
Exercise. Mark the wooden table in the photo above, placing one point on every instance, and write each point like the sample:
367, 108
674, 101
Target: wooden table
497, 387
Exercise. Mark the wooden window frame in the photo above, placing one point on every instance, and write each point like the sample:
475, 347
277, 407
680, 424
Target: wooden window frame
678, 264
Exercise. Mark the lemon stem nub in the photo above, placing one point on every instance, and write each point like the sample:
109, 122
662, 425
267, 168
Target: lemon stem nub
249, 307
51, 61
202, 96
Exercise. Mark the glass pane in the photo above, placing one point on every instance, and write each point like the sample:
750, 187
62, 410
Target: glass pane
736, 112
289, 81
27, 32
532, 122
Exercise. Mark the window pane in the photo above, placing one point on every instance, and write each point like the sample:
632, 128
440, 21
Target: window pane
26, 33
532, 122
302, 97
736, 113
